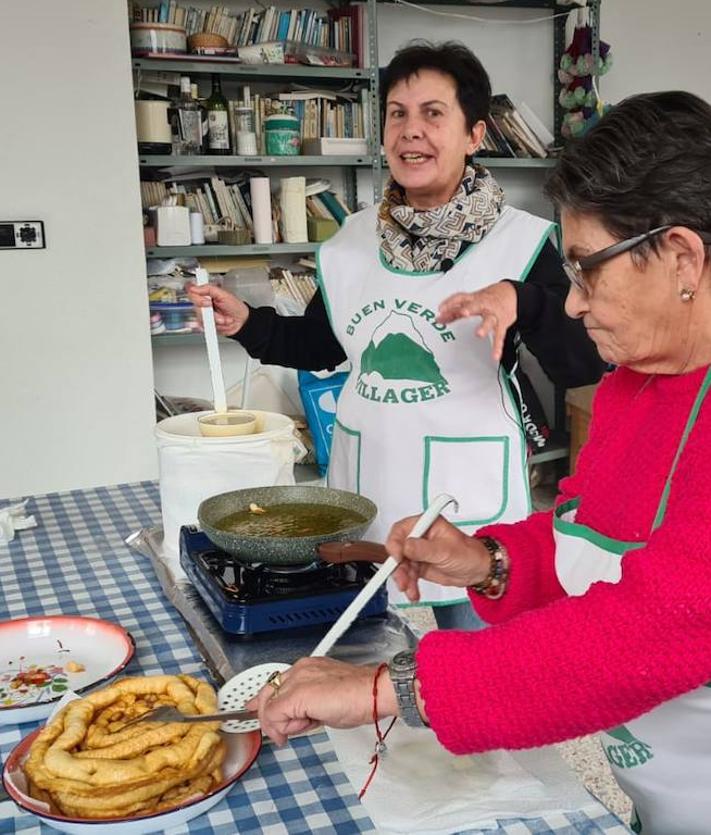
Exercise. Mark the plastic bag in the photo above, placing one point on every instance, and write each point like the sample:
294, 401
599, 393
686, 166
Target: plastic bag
319, 397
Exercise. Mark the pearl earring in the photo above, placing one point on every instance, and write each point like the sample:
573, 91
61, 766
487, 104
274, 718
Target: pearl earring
686, 294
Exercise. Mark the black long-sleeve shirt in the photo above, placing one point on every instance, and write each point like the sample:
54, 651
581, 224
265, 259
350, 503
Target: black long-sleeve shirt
560, 344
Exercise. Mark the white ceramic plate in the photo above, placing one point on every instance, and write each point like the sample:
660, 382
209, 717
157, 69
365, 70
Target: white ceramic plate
242, 751
35, 654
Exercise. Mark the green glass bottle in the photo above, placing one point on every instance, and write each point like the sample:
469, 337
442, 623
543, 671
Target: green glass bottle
218, 123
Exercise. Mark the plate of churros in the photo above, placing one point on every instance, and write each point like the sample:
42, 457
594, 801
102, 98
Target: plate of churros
88, 771
45, 657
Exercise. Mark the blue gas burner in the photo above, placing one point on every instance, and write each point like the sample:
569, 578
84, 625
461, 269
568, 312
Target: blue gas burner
249, 600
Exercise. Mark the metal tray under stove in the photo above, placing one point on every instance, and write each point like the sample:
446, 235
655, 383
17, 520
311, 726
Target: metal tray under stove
249, 601
366, 642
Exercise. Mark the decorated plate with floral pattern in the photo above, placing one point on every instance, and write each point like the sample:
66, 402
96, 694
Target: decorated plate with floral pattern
43, 657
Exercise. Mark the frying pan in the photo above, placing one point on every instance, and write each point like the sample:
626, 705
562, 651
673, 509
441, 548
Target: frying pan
277, 550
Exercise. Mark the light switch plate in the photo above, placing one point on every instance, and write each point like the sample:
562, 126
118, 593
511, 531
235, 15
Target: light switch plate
22, 234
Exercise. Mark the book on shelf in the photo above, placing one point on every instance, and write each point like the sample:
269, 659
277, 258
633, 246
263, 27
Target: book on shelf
292, 200
334, 146
506, 121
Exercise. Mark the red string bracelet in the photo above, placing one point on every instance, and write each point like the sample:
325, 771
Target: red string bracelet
380, 747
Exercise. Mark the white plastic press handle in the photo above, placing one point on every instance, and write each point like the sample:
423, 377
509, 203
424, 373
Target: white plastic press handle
376, 581
213, 349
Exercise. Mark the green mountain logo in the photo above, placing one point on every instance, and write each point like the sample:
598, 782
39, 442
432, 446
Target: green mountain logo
397, 351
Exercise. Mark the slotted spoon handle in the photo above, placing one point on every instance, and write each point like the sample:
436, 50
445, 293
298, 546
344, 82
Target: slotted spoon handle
376, 581
213, 349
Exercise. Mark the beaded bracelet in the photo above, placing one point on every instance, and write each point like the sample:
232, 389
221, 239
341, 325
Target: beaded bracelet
494, 584
380, 747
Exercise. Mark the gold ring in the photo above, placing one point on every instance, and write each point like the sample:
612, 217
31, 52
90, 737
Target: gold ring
275, 681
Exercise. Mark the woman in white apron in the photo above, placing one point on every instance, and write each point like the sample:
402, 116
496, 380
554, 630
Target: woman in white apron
429, 406
601, 609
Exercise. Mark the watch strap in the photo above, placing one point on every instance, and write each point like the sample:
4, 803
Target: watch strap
403, 680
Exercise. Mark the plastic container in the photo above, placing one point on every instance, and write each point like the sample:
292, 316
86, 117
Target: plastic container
226, 425
179, 317
246, 136
157, 39
193, 468
282, 132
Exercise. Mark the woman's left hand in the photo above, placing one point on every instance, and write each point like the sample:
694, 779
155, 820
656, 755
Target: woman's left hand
321, 691
497, 306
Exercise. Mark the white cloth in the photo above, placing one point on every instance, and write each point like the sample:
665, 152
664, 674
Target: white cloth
662, 759
425, 409
13, 518
419, 787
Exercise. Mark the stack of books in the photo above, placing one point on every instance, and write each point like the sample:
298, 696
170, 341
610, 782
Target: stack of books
325, 211
299, 287
225, 201
323, 202
514, 131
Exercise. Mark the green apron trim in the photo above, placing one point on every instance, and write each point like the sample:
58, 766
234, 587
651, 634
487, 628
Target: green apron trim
614, 546
425, 273
502, 439
433, 604
354, 433
546, 235
558, 237
505, 381
691, 420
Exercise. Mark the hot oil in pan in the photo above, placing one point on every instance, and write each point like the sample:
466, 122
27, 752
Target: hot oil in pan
291, 519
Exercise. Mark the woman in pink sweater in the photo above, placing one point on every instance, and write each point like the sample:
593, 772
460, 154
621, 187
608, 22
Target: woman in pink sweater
600, 609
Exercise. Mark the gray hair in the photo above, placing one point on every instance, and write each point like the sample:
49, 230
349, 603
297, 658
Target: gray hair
646, 163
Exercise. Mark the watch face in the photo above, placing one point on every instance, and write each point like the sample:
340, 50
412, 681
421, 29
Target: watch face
404, 660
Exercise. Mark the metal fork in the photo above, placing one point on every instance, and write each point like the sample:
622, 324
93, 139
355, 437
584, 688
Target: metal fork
172, 714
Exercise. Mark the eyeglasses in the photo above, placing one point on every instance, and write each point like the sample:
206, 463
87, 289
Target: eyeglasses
575, 269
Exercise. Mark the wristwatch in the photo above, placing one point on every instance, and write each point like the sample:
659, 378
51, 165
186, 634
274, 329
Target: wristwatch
402, 669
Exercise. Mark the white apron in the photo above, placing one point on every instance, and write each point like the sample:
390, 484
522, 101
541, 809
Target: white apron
425, 409
662, 760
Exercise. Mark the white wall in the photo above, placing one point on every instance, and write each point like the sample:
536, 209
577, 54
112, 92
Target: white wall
658, 45
75, 364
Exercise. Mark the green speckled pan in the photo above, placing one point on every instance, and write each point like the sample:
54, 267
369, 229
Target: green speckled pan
279, 550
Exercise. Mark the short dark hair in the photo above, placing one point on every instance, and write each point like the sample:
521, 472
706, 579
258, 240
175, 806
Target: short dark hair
646, 163
451, 58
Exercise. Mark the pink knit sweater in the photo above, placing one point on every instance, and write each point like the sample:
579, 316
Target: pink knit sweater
554, 667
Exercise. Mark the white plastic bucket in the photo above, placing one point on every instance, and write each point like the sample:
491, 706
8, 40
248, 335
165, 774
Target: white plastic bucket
194, 467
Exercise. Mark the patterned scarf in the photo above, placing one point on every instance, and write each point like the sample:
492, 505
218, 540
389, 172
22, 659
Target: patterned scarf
412, 239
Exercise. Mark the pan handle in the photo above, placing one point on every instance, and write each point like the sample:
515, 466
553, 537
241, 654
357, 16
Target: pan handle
357, 551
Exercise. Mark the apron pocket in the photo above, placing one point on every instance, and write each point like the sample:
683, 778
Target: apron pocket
344, 462
474, 470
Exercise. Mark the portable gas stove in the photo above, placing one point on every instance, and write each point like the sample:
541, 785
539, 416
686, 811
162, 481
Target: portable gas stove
251, 599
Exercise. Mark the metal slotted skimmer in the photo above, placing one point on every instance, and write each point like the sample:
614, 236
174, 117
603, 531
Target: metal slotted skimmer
236, 692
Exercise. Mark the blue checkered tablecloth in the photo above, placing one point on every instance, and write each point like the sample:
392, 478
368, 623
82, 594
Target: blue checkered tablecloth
76, 562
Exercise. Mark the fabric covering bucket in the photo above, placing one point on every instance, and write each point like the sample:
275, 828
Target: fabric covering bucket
194, 467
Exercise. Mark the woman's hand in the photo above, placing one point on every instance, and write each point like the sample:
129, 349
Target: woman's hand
230, 312
443, 555
497, 305
321, 691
